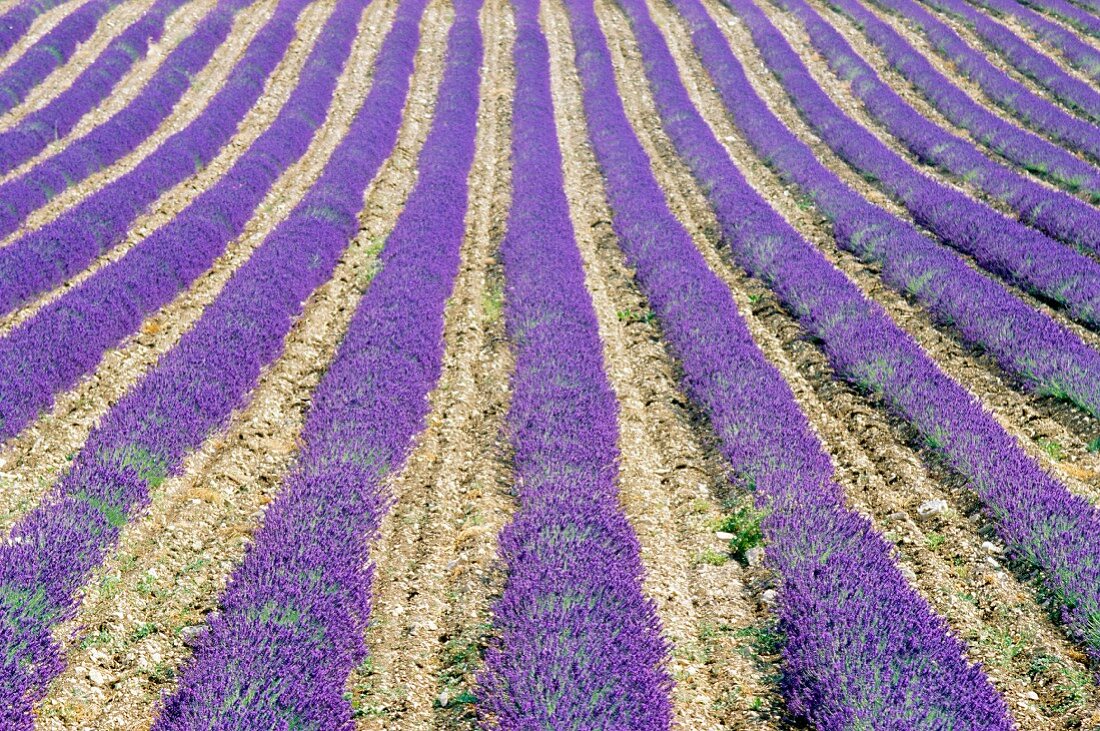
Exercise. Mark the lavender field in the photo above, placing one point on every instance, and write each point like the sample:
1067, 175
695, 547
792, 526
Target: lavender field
549, 365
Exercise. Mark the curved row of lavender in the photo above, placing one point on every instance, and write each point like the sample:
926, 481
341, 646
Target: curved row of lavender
125, 130
15, 23
57, 118
1068, 13
1044, 355
1076, 52
862, 648
66, 338
1071, 92
951, 153
190, 393
1041, 522
292, 623
1053, 212
999, 244
577, 644
50, 52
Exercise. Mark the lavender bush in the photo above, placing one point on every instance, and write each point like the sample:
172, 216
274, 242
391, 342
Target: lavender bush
1068, 13
1003, 138
292, 622
862, 648
125, 129
999, 244
1041, 522
50, 52
1071, 92
57, 118
578, 645
196, 386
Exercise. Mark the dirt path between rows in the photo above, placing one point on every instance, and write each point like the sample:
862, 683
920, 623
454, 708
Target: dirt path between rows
437, 570
671, 478
172, 564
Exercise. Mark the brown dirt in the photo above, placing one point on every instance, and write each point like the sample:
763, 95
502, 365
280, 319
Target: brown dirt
41, 25
436, 554
1023, 650
671, 479
203, 86
171, 565
110, 26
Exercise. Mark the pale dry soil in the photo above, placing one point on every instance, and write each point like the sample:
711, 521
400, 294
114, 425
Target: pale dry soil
672, 482
435, 556
37, 454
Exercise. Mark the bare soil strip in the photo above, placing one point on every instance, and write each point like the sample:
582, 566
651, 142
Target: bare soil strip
950, 559
171, 567
436, 553
41, 25
671, 479
110, 26
167, 206
203, 86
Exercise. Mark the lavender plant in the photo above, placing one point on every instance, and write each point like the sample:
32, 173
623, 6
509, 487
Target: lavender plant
862, 648
56, 119
15, 23
1069, 91
578, 645
125, 129
1042, 523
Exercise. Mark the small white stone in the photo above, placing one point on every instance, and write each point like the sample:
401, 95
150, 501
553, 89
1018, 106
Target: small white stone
96, 677
769, 596
723, 536
755, 556
990, 547
992, 562
1031, 695
931, 508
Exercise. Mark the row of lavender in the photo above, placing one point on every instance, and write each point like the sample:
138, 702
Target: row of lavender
124, 131
577, 643
298, 607
56, 119
15, 23
849, 617
66, 338
190, 393
1039, 519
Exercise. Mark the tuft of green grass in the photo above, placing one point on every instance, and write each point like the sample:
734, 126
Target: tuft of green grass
744, 524
712, 558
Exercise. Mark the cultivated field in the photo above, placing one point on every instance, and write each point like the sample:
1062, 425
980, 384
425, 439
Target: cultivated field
549, 365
